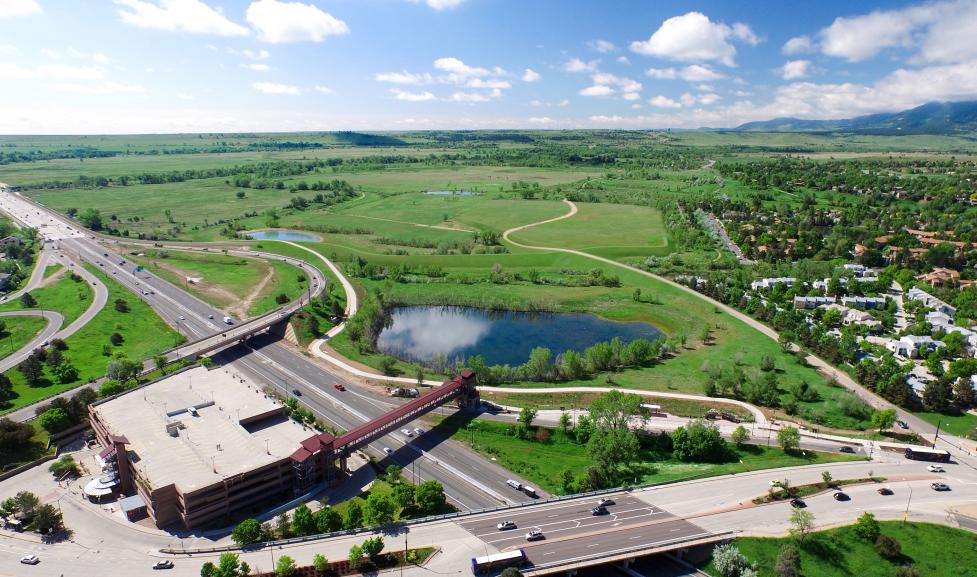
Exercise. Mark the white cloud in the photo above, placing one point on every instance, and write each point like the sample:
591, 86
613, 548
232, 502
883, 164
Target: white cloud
563, 102
323, 89
411, 96
256, 55
494, 84
708, 98
403, 77
469, 97
14, 8
281, 22
662, 73
440, 5
687, 99
699, 73
629, 87
100, 58
624, 60
578, 65
795, 69
597, 90
664, 102
862, 37
191, 16
257, 67
530, 75
798, 45
184, 96
602, 46
458, 68
693, 36
275, 88
540, 120
631, 96
107, 87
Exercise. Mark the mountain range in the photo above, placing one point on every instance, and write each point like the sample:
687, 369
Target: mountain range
932, 118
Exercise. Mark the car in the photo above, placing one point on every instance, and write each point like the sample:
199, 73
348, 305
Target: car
606, 501
339, 387
145, 293
797, 503
418, 431
885, 491
105, 254
506, 525
297, 392
839, 496
599, 510
846, 449
30, 560
163, 564
183, 318
388, 450
535, 535
407, 432
936, 469
940, 487
902, 424
210, 316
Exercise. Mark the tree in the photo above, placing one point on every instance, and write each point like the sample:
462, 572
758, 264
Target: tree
91, 218
66, 464
392, 473
789, 439
789, 561
539, 367
121, 305
159, 361
963, 394
888, 547
282, 525
320, 564
526, 416
372, 547
867, 527
208, 569
698, 442
510, 572
54, 420
564, 422
403, 496
328, 520
728, 560
65, 372
572, 366
615, 410
27, 301
883, 419
801, 524
14, 435
302, 521
26, 503
32, 369
826, 478
355, 556
937, 395
740, 436
378, 510
116, 339
248, 532
354, 516
6, 388
110, 387
47, 519
285, 566
429, 497
610, 449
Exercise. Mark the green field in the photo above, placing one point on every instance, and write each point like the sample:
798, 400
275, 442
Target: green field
841, 553
543, 462
603, 229
17, 332
69, 297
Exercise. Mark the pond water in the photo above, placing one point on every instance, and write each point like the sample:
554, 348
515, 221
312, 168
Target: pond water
501, 337
452, 193
292, 235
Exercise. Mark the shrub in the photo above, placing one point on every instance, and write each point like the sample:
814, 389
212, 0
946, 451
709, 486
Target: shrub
867, 527
66, 464
888, 547
248, 532
728, 560
789, 561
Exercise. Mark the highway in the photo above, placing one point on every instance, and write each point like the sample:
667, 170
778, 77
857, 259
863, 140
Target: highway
471, 482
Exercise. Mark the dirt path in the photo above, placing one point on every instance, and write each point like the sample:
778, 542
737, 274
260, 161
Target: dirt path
241, 308
437, 226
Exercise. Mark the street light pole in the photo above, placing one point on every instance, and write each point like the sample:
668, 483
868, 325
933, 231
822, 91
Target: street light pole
909, 500
937, 436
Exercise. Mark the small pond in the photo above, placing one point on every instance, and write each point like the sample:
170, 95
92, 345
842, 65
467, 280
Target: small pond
452, 193
292, 235
501, 337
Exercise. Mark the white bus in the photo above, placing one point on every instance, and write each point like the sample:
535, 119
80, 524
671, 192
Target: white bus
498, 561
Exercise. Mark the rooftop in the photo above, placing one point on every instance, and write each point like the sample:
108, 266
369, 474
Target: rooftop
236, 428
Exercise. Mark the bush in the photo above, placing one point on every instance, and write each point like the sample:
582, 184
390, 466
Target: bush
248, 532
116, 339
54, 420
728, 560
110, 387
372, 547
789, 561
699, 442
66, 464
888, 547
867, 527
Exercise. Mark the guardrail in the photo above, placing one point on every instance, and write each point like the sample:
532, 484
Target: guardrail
428, 519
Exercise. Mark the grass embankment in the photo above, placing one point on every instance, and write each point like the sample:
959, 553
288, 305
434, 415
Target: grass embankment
383, 487
69, 297
144, 334
566, 401
935, 550
543, 462
36, 448
960, 424
17, 332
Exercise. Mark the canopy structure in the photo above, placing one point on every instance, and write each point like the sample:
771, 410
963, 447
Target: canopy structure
101, 486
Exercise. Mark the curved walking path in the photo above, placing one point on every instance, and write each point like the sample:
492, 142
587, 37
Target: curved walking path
54, 322
819, 364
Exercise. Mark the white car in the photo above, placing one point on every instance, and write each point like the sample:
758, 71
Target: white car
183, 318
388, 450
936, 469
30, 560
419, 431
407, 432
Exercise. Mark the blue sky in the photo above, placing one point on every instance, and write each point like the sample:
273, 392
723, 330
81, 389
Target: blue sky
118, 66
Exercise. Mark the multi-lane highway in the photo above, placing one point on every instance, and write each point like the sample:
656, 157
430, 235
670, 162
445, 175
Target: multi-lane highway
470, 481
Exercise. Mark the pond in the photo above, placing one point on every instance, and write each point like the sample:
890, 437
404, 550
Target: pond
292, 235
452, 193
501, 337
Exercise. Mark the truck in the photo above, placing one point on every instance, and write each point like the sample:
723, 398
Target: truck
228, 321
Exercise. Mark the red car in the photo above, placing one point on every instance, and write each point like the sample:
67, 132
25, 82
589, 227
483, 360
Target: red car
339, 387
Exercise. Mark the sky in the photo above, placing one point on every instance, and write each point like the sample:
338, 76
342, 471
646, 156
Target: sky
163, 66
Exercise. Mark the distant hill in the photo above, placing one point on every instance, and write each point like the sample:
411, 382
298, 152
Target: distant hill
932, 118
